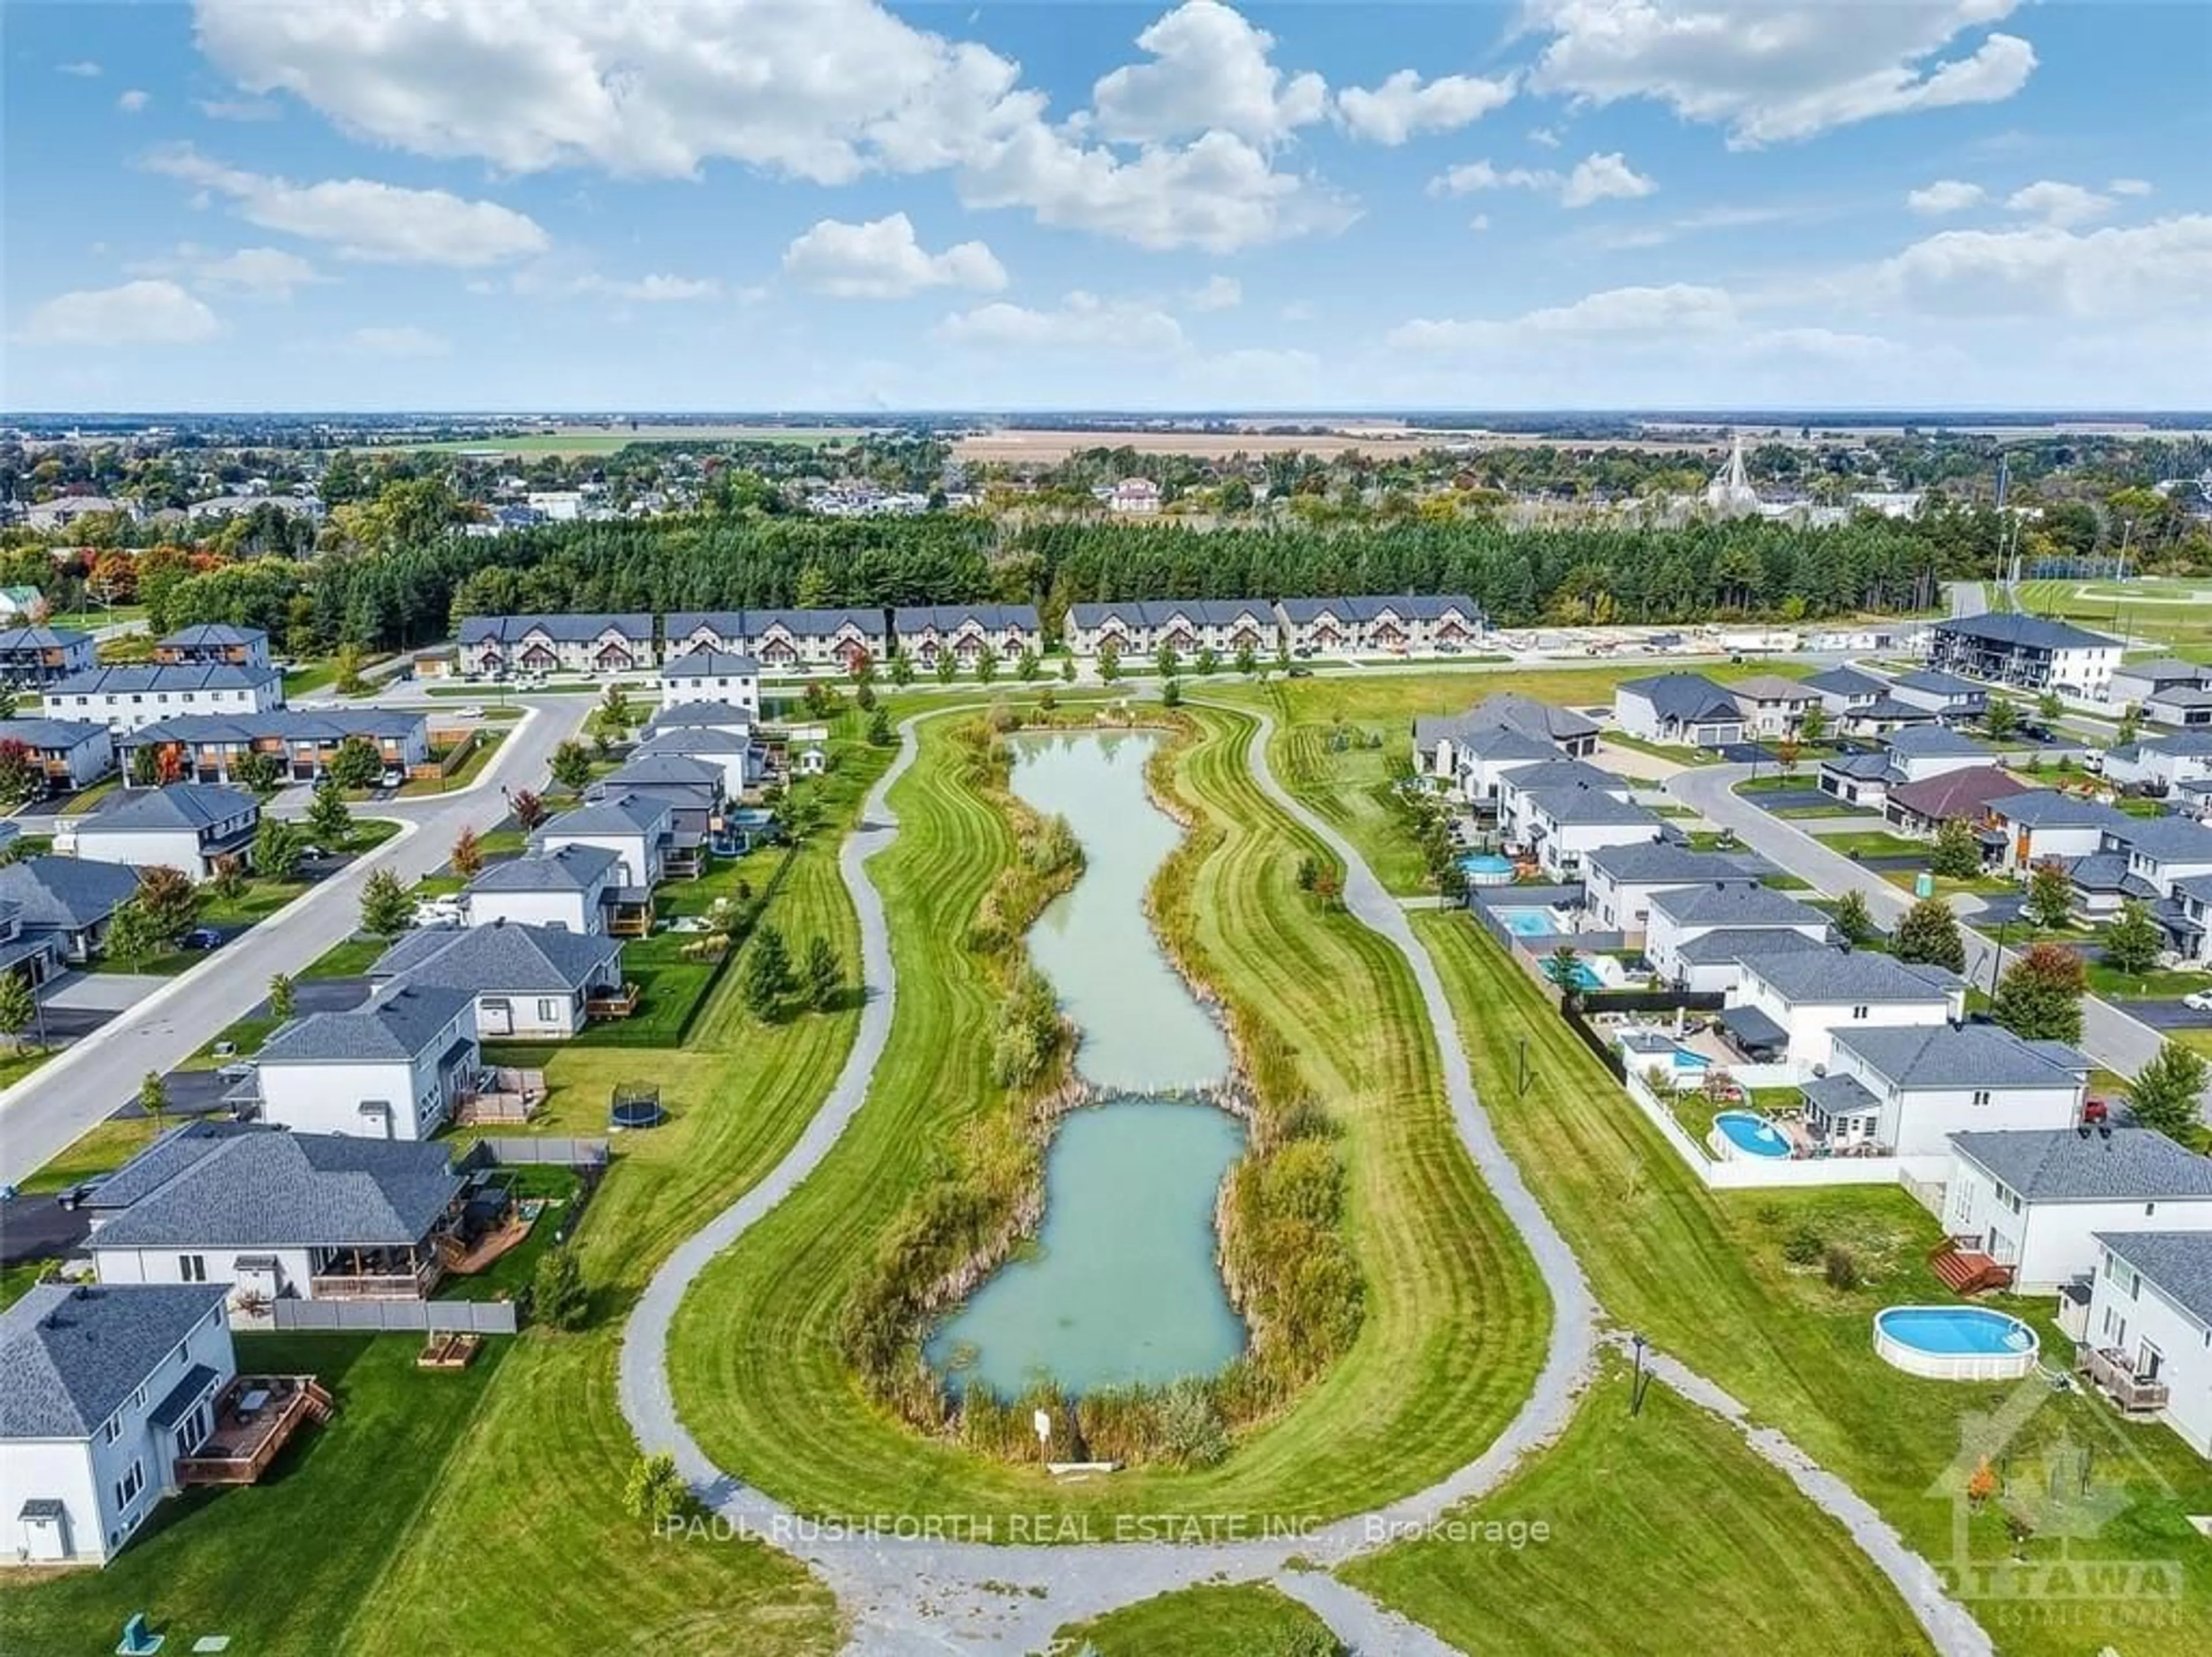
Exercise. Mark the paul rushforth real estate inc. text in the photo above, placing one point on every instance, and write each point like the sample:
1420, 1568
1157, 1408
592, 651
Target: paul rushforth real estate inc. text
1064, 1530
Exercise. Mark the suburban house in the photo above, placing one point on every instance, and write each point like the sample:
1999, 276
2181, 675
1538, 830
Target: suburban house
128, 698
2162, 851
214, 644
1963, 795
1619, 881
2168, 762
636, 827
1563, 825
66, 902
495, 647
531, 983
1810, 995
1907, 1089
1679, 710
1931, 750
211, 747
394, 1068
1138, 496
2139, 681
1676, 916
1139, 628
1772, 705
269, 1214
1516, 782
2147, 1340
1858, 705
193, 826
1712, 963
1392, 624
31, 656
70, 754
729, 748
1470, 747
1859, 779
32, 956
2033, 1198
576, 886
2188, 706
722, 631
711, 676
2042, 825
1945, 696
1845, 690
2034, 653
786, 641
103, 1393
927, 631
693, 790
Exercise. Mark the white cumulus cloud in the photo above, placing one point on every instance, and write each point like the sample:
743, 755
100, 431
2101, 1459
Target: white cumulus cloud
1603, 178
1218, 293
148, 313
1945, 196
133, 101
1404, 105
363, 219
1615, 315
2059, 203
1081, 321
1773, 71
1211, 71
257, 273
882, 260
1595, 179
2137, 273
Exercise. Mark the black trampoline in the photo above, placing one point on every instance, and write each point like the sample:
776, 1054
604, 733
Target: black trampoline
636, 1104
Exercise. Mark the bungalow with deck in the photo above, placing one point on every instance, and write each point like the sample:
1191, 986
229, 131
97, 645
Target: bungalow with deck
394, 1068
214, 644
2146, 1342
2034, 1198
1679, 710
531, 983
270, 1215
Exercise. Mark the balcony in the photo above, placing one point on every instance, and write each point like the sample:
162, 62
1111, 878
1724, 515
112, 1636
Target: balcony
2114, 1375
611, 1001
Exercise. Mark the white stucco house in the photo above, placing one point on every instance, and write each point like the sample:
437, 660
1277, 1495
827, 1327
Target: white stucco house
574, 887
1810, 995
1945, 696
1676, 916
531, 983
2043, 824
1564, 826
637, 828
2150, 1313
1678, 710
123, 698
1905, 1089
1619, 882
711, 676
194, 827
2031, 653
1516, 785
394, 1068
270, 1215
1926, 751
2034, 1200
101, 1391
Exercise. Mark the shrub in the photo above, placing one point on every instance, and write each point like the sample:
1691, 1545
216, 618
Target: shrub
1191, 1430
655, 1491
1841, 1267
1803, 1247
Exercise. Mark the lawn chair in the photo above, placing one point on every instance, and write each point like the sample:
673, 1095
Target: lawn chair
138, 1639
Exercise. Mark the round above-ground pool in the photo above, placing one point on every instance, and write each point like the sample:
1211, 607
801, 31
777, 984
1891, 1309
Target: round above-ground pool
1955, 1343
1746, 1134
1486, 868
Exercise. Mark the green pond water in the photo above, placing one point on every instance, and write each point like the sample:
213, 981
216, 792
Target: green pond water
1121, 1285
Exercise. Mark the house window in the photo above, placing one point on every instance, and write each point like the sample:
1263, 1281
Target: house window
1858, 1014
113, 1430
128, 1486
2134, 1285
2149, 1209
192, 1268
547, 1011
1981, 1096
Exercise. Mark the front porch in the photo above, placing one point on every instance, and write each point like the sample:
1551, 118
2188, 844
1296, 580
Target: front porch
2114, 1373
254, 1419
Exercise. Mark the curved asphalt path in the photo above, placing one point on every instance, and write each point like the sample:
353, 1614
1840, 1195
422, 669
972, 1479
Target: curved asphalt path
907, 1594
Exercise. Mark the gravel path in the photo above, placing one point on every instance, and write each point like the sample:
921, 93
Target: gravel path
907, 1595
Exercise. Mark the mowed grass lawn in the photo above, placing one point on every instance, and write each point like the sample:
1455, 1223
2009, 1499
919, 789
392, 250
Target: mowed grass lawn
1661, 1532
1456, 1319
498, 1522
1703, 1275
1245, 1619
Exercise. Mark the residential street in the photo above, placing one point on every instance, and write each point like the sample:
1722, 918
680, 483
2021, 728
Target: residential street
2110, 1036
44, 1112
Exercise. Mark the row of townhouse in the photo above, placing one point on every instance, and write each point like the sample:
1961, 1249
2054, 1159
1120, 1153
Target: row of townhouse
212, 747
781, 641
1391, 624
125, 698
2025, 653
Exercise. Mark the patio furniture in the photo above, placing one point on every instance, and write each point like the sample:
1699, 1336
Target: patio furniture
252, 1403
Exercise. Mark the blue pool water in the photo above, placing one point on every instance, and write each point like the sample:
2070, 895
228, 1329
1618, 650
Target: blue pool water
1485, 862
1528, 922
1754, 1135
1953, 1332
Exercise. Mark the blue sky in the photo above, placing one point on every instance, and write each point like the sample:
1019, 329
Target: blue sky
832, 204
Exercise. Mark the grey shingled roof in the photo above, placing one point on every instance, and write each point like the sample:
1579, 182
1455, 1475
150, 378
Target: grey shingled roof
1655, 860
1687, 697
2063, 1165
1559, 773
280, 724
54, 735
1587, 806
1771, 687
1734, 905
2167, 839
710, 664
177, 1150
193, 806
66, 894
2181, 744
2179, 1263
1932, 741
690, 716
2036, 632
154, 678
1845, 682
499, 960
41, 638
569, 868
1925, 679
1852, 976
1525, 713
991, 617
2167, 670
681, 740
816, 623
680, 624
2048, 808
581, 628
650, 769
397, 1027
1960, 1055
1840, 1095
1159, 613
1731, 943
220, 634
1865, 767
617, 813
69, 1357
1366, 606
269, 1189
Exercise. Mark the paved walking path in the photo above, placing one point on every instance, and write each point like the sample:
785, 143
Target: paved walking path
906, 1595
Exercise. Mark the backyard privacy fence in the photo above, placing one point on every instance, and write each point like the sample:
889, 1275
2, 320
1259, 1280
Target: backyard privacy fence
456, 1317
547, 1152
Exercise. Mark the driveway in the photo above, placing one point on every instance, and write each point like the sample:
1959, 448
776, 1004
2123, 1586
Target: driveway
190, 1092
2164, 1015
38, 1228
1793, 800
101, 992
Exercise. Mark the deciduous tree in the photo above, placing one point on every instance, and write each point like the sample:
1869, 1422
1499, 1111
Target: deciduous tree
2050, 895
2132, 940
1930, 933
2168, 1094
387, 910
2039, 997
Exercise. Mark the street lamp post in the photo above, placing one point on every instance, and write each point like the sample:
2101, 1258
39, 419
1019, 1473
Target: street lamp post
1997, 955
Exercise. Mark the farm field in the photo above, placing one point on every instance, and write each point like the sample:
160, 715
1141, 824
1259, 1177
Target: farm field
608, 440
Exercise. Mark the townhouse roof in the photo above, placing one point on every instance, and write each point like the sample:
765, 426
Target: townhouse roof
42, 638
193, 806
267, 1188
502, 959
2066, 1165
156, 677
1683, 697
66, 894
70, 1357
1852, 976
2178, 1264
1965, 792
2013, 627
816, 623
1158, 613
723, 624
211, 635
951, 617
577, 628
1731, 903
280, 724
397, 1027
50, 735
1962, 1055
1369, 607
573, 867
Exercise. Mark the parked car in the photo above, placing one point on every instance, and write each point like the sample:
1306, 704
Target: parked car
240, 1071
2198, 1001
393, 777
202, 937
